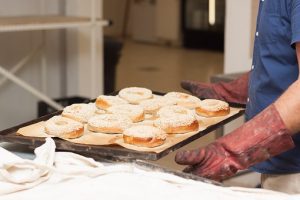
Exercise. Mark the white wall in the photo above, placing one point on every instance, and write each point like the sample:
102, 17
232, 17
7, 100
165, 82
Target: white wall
238, 32
16, 105
81, 78
240, 23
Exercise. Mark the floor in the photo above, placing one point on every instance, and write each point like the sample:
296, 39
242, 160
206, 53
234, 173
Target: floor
161, 68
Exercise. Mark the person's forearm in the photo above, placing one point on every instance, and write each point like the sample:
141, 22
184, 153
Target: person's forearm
288, 104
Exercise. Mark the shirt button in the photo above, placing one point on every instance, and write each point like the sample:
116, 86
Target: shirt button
256, 34
252, 67
262, 0
248, 99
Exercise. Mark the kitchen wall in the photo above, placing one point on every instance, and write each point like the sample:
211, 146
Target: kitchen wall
16, 105
239, 35
115, 10
68, 58
81, 78
144, 20
240, 17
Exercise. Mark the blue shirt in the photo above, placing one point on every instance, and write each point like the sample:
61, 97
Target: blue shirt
274, 69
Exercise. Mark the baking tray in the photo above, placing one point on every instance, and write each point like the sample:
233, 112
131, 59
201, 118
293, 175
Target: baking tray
158, 168
112, 152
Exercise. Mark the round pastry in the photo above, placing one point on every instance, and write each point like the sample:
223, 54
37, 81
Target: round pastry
104, 102
109, 123
144, 136
64, 127
213, 108
100, 112
135, 95
183, 99
176, 119
151, 106
134, 112
79, 112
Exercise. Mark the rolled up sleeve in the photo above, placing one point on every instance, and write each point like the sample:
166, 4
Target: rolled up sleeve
295, 21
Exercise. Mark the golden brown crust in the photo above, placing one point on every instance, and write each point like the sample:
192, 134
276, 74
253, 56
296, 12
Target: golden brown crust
139, 118
205, 113
110, 130
102, 104
183, 129
70, 135
143, 142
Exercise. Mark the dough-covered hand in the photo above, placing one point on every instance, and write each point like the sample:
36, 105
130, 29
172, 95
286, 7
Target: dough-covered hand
257, 140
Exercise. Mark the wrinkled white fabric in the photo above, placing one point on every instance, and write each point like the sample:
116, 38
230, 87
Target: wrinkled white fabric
19, 174
288, 183
63, 175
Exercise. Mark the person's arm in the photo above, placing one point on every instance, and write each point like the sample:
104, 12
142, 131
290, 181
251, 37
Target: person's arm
266, 135
288, 105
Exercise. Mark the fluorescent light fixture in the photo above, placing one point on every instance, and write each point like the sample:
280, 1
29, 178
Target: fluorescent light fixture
212, 12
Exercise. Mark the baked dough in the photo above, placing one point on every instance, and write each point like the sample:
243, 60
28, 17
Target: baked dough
109, 123
135, 95
176, 119
213, 108
134, 112
80, 112
151, 106
144, 136
63, 127
183, 99
104, 102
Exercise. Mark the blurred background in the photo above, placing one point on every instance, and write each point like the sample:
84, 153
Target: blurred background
46, 55
150, 43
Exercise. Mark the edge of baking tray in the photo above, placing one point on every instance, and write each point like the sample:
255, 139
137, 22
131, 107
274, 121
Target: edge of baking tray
107, 151
154, 167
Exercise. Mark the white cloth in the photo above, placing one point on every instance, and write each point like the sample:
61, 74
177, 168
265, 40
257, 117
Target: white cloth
19, 174
288, 183
61, 175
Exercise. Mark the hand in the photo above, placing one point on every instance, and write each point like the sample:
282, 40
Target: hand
201, 90
257, 140
234, 91
209, 162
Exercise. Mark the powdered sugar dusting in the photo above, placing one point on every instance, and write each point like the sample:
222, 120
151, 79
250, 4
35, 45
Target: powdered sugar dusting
135, 95
144, 131
152, 105
111, 100
58, 126
81, 111
110, 121
131, 111
183, 99
214, 105
174, 116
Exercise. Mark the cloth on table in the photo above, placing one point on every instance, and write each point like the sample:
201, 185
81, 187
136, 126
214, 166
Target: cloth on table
63, 175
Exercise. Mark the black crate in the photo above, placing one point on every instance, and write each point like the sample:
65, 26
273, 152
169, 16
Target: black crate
45, 109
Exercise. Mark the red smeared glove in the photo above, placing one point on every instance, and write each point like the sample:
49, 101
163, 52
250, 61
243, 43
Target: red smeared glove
234, 91
257, 140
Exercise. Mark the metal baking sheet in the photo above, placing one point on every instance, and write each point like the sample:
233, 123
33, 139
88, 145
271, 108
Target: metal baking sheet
112, 152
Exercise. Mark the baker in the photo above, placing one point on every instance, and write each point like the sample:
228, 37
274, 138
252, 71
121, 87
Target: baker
268, 142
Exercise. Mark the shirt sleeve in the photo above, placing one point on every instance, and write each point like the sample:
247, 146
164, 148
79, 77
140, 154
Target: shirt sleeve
295, 21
